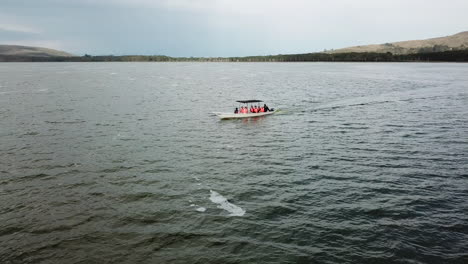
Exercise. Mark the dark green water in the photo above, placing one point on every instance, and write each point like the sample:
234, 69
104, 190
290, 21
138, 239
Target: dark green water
115, 163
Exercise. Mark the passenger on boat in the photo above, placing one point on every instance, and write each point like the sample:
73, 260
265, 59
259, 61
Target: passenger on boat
265, 107
252, 109
236, 111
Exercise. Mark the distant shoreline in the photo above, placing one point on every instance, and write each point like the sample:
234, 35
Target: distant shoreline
445, 56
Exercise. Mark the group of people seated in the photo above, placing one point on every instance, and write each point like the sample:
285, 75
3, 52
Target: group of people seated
253, 109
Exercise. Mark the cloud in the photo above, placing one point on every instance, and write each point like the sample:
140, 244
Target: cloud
19, 28
224, 27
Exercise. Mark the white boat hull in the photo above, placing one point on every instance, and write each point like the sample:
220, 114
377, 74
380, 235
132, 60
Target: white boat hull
236, 116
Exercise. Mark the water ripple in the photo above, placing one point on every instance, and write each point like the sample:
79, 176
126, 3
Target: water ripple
364, 163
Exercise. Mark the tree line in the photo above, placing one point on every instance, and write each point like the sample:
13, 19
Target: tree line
442, 56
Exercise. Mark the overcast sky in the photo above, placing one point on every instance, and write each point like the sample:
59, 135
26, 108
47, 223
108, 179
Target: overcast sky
223, 27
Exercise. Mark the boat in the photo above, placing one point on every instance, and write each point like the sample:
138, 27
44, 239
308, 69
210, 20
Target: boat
247, 115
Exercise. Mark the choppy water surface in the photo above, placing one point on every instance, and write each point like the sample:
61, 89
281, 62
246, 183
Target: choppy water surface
124, 163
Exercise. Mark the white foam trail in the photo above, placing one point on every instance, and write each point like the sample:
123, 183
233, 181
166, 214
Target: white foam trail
223, 203
7, 92
201, 209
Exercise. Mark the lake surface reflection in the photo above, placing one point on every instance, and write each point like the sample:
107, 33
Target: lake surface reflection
125, 163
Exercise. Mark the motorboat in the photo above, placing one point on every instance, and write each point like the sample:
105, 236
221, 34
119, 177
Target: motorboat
245, 115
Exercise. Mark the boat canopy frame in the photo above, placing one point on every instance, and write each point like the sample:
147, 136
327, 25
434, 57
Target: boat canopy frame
249, 101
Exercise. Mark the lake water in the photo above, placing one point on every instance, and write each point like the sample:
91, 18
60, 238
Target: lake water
125, 163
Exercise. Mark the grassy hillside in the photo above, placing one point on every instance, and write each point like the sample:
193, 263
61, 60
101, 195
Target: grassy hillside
24, 51
454, 42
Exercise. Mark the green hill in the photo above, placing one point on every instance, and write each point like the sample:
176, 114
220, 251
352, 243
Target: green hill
25, 51
454, 42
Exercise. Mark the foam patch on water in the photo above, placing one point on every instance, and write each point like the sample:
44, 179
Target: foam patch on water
201, 209
7, 92
223, 203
